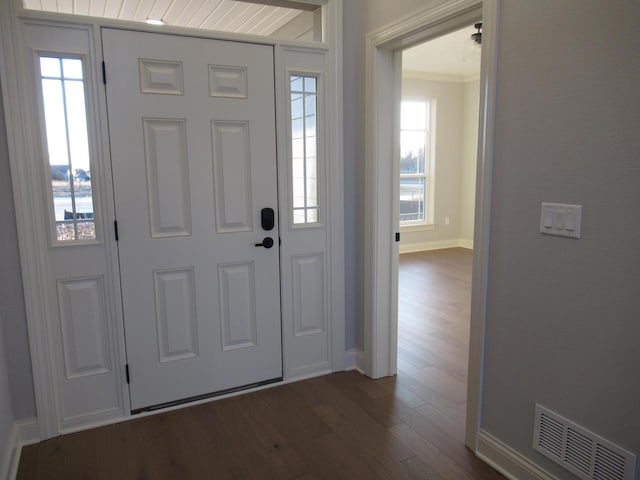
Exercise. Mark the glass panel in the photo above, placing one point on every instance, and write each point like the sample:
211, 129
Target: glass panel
412, 198
304, 163
310, 84
86, 230
65, 119
413, 116
65, 231
412, 152
50, 67
72, 68
296, 84
298, 216
296, 106
312, 215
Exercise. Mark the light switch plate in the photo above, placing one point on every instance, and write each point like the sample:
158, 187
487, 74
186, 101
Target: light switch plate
561, 220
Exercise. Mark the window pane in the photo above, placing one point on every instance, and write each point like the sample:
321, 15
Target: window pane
296, 84
412, 152
310, 104
65, 231
412, 199
413, 116
65, 120
72, 68
310, 84
312, 215
296, 107
86, 230
50, 67
55, 122
304, 162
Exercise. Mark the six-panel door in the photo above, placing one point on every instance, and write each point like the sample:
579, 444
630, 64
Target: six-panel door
192, 134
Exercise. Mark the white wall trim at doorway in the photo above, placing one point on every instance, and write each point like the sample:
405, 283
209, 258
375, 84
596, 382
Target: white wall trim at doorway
381, 143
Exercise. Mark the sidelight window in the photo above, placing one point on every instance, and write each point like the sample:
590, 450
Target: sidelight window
67, 143
304, 148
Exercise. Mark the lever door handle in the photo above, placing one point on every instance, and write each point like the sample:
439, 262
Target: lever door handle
267, 242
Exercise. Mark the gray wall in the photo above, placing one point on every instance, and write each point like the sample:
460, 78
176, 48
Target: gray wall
12, 311
360, 17
6, 412
563, 321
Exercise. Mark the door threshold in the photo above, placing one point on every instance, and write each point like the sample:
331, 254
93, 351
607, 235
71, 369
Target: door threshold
204, 396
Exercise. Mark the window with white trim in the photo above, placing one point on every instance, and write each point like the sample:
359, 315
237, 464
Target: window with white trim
304, 148
63, 85
415, 163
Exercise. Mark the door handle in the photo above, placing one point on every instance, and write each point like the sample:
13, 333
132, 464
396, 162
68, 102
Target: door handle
267, 242
267, 218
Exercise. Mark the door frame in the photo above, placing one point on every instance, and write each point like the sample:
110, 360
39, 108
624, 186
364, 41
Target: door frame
24, 145
381, 216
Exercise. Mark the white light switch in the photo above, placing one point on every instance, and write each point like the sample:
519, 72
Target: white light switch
561, 219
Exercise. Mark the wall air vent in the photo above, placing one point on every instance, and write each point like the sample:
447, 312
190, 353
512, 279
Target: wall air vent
580, 451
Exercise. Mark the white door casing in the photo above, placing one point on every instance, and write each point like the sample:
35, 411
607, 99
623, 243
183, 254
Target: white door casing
193, 152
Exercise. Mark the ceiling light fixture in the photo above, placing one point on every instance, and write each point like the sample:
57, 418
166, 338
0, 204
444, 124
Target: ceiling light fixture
477, 37
153, 21
472, 49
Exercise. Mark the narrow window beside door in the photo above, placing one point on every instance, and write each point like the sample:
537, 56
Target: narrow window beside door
304, 148
67, 143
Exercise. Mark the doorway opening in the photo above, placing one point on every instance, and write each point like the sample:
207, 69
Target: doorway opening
438, 132
382, 195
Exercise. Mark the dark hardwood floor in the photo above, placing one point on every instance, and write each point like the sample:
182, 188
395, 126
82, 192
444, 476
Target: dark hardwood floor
340, 426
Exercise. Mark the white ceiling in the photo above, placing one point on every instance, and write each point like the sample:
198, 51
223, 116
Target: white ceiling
225, 15
442, 56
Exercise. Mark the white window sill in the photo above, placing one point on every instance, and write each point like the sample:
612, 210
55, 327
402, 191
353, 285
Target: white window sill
418, 227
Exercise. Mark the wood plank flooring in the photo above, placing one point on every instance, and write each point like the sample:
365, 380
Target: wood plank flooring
340, 426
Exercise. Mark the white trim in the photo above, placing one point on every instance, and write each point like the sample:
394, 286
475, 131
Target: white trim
380, 264
24, 143
6, 461
507, 461
23, 433
439, 77
435, 245
354, 360
335, 182
482, 222
423, 227
360, 361
350, 359
465, 243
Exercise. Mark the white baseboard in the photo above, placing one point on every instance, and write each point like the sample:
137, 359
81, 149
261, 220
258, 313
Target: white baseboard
360, 362
350, 359
435, 245
23, 432
507, 461
7, 455
464, 243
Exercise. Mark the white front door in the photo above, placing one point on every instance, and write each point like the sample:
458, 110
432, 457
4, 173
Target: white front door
192, 133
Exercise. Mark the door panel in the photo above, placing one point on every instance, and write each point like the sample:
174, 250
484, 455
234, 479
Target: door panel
192, 136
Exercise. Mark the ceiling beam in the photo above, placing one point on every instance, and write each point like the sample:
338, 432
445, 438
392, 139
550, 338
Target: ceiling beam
286, 4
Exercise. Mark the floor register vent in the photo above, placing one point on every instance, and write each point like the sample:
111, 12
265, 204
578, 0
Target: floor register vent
580, 451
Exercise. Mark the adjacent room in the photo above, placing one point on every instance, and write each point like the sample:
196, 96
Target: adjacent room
438, 143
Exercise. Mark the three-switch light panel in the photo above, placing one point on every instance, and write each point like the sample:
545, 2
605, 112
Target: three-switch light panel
561, 219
